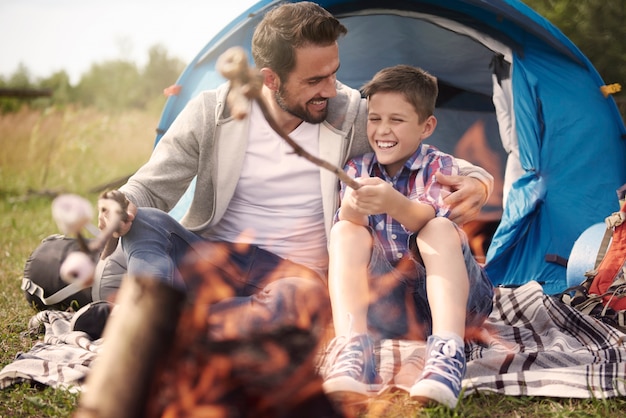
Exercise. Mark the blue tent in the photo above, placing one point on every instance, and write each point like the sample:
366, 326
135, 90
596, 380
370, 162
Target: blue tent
516, 97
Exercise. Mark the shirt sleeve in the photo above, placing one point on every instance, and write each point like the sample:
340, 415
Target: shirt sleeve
433, 192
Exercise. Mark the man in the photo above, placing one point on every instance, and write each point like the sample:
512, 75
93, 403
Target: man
258, 208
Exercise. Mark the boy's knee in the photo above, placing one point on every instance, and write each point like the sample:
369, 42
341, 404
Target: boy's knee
440, 224
346, 231
439, 229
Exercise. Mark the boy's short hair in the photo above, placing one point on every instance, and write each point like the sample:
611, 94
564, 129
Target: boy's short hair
418, 87
290, 26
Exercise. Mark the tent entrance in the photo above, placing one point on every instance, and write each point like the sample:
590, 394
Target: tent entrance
474, 109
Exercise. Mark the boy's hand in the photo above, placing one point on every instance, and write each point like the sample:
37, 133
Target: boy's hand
467, 198
373, 197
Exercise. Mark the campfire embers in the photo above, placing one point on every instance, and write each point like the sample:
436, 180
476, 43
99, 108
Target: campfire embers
232, 357
224, 358
270, 375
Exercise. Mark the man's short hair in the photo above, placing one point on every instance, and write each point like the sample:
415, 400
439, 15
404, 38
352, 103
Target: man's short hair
290, 26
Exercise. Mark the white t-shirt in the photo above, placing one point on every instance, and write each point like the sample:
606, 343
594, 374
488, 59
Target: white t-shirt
277, 203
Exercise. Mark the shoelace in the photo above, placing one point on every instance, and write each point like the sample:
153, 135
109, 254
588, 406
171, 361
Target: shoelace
348, 357
442, 361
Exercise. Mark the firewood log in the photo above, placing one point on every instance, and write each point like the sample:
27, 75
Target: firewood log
137, 335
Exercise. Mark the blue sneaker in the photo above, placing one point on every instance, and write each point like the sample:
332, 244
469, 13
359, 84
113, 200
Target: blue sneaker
443, 372
353, 370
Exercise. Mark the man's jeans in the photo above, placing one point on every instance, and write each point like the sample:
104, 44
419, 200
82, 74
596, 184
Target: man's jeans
247, 290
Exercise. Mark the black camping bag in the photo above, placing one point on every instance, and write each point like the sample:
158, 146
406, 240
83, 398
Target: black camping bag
42, 283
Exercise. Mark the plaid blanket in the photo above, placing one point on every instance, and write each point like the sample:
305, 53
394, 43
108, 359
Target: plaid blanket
532, 345
61, 360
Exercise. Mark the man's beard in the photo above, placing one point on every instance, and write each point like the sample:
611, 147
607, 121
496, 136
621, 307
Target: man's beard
298, 111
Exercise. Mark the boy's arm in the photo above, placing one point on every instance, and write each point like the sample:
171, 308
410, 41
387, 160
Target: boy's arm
376, 196
412, 214
347, 212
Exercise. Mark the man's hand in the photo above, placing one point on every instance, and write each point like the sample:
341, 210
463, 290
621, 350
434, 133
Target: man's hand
467, 198
114, 207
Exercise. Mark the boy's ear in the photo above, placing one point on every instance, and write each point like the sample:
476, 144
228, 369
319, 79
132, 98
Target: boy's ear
270, 79
429, 126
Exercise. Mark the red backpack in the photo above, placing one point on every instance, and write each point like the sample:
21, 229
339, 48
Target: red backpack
602, 293
607, 279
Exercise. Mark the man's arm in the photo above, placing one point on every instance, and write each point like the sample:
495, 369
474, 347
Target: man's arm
470, 191
468, 169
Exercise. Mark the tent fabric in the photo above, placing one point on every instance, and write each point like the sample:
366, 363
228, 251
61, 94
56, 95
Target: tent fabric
517, 98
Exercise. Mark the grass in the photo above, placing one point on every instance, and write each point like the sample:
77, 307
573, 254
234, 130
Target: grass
43, 153
75, 150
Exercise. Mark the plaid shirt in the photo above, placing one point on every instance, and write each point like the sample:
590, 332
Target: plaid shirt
416, 180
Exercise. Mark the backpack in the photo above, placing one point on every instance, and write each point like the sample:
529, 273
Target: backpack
602, 293
44, 288
42, 283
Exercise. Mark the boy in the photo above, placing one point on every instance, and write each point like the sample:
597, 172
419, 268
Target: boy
399, 206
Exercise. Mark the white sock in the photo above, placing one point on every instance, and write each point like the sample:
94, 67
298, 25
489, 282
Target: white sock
446, 335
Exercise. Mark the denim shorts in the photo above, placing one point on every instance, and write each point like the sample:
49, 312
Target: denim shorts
399, 306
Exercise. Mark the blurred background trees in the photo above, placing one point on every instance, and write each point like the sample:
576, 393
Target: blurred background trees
595, 26
598, 29
114, 85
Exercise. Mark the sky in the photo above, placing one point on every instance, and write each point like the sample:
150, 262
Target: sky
48, 36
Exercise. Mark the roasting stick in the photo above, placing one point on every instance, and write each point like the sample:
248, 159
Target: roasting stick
246, 85
73, 213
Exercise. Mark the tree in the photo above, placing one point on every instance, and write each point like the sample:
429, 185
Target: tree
161, 71
111, 85
21, 78
59, 83
597, 28
120, 84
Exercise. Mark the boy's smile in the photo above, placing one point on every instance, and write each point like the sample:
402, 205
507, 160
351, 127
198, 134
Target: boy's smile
394, 129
